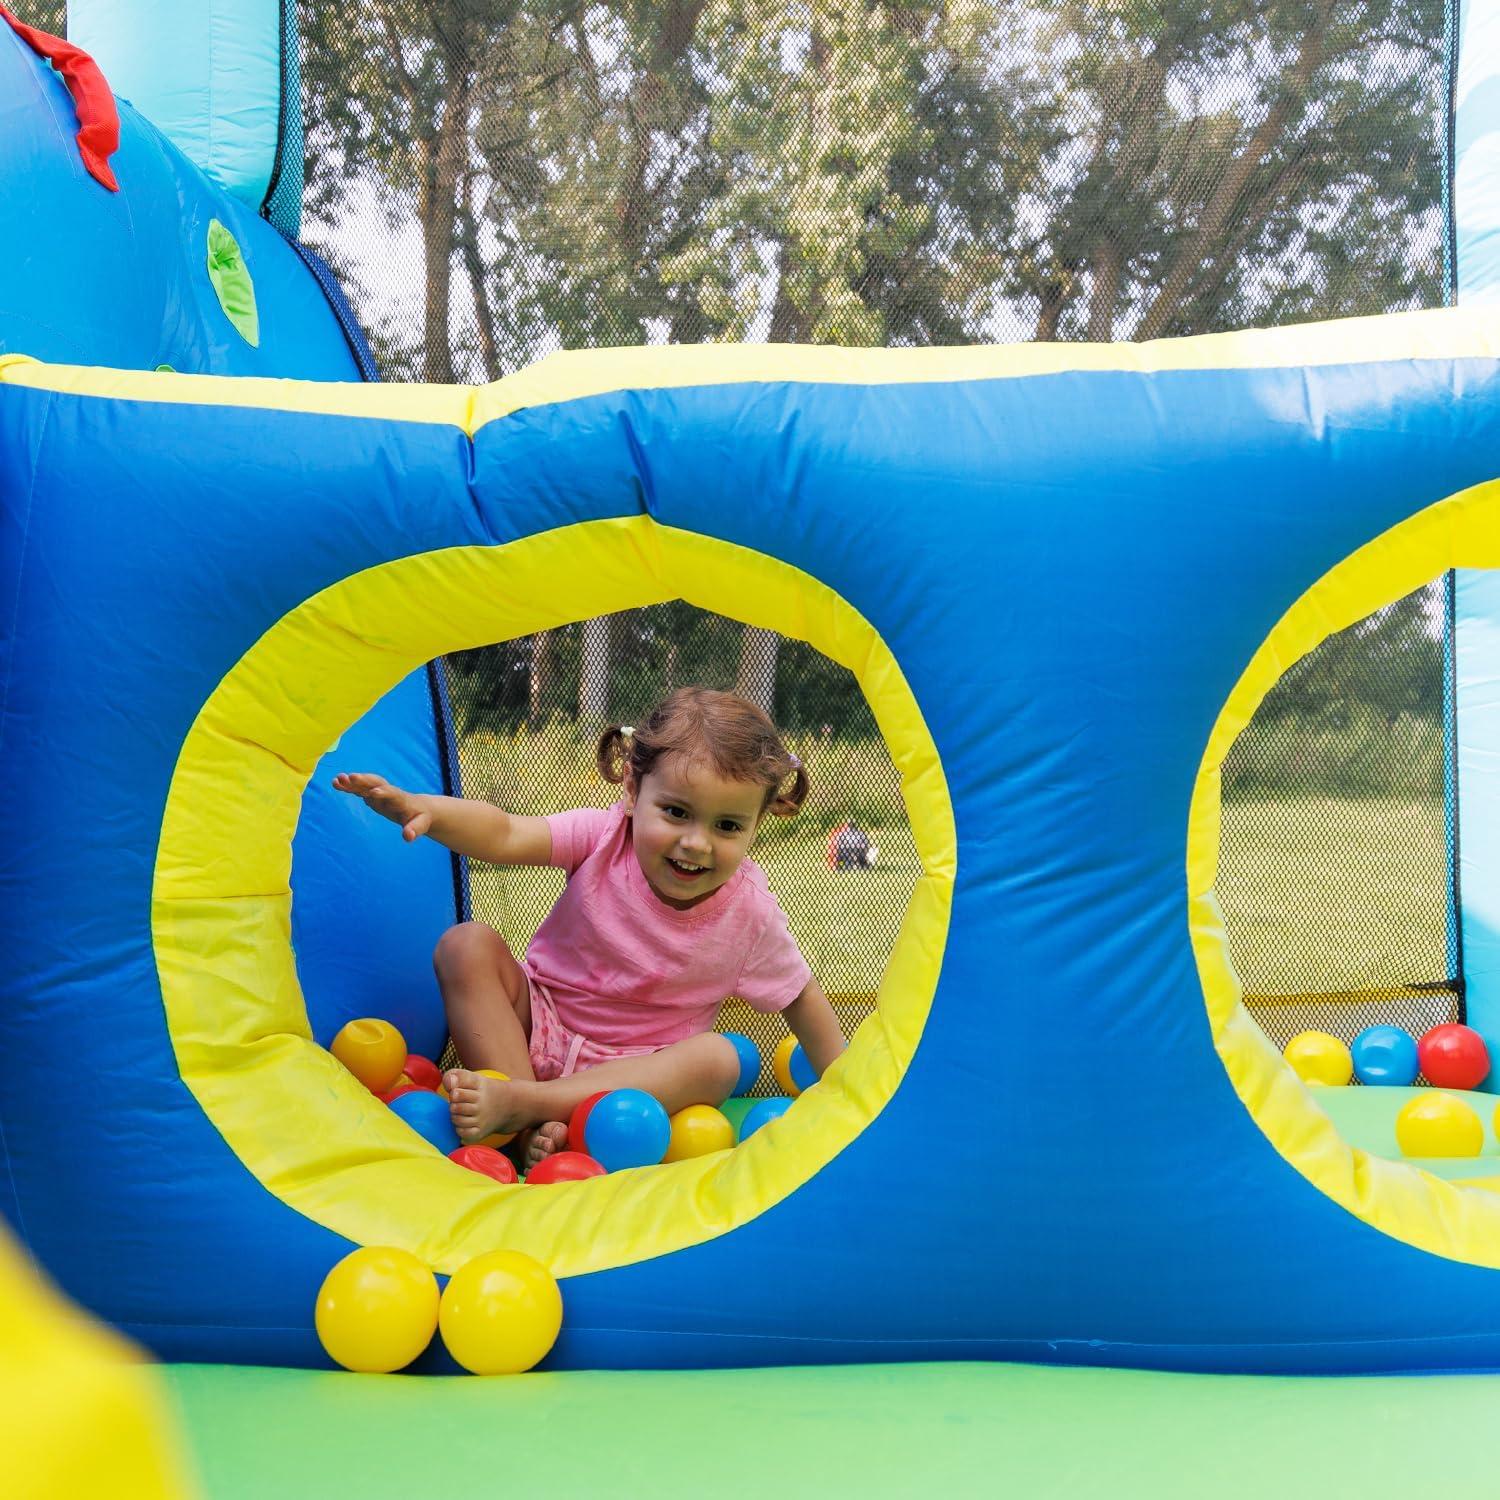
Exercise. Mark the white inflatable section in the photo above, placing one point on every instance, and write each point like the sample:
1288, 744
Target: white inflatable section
1476, 152
1476, 609
206, 73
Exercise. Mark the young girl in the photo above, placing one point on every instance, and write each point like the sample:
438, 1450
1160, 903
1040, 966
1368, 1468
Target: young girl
662, 918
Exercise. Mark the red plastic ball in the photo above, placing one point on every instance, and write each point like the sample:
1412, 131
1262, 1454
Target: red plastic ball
579, 1118
564, 1166
487, 1160
1453, 1057
422, 1071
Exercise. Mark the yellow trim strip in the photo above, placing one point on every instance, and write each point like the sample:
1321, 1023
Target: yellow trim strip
1441, 333
1448, 1219
221, 905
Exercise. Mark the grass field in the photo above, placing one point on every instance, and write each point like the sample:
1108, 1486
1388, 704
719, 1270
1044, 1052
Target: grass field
1334, 894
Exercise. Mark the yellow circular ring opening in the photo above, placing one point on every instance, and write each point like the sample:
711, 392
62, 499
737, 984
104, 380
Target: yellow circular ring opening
221, 900
1461, 1223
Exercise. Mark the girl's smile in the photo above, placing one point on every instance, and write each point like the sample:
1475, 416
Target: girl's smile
691, 828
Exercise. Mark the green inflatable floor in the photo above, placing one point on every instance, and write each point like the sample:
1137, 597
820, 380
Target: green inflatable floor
1366, 1117
861, 1432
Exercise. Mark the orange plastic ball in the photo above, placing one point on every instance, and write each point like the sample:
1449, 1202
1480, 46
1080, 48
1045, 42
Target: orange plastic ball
500, 1313
374, 1051
377, 1309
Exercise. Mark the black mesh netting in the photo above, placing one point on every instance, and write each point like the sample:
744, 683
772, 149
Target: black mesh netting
1336, 845
496, 179
528, 715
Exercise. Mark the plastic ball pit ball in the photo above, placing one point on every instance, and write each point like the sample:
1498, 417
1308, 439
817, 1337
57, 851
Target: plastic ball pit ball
799, 1065
422, 1071
1318, 1057
402, 1085
749, 1055
579, 1119
429, 1117
486, 1161
762, 1113
697, 1130
1438, 1125
1385, 1056
627, 1128
1454, 1057
781, 1067
500, 1313
374, 1051
564, 1166
377, 1309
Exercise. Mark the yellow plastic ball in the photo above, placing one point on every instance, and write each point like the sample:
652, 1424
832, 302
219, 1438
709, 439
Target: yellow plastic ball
697, 1130
374, 1051
500, 1313
1319, 1057
781, 1066
497, 1141
1439, 1125
377, 1309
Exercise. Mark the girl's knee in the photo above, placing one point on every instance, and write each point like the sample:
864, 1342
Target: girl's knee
721, 1063
465, 944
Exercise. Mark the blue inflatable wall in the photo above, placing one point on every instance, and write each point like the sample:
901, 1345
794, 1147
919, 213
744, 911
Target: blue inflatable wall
1063, 575
121, 279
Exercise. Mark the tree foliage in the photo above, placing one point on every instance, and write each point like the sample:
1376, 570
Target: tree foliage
869, 171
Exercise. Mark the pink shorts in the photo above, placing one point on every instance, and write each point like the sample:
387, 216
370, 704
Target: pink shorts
557, 1052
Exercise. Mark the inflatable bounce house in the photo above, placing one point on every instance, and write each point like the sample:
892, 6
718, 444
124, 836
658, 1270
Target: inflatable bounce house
228, 567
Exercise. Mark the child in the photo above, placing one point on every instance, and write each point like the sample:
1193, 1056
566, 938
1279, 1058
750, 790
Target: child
662, 918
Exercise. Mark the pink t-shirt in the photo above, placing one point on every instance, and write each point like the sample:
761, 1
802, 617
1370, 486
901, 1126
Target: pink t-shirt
624, 968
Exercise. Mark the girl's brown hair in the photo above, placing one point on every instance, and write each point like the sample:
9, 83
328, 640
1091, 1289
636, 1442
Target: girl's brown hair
721, 730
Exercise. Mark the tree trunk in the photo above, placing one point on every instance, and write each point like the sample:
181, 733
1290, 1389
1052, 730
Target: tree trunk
593, 671
539, 679
437, 209
1225, 201
757, 674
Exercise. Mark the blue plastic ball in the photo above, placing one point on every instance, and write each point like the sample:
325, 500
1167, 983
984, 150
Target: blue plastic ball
762, 1112
1384, 1055
801, 1069
749, 1055
428, 1115
627, 1128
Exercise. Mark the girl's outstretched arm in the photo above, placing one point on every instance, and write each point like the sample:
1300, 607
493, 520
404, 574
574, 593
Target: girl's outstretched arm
815, 1025
478, 829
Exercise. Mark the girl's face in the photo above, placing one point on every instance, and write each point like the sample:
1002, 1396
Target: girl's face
690, 827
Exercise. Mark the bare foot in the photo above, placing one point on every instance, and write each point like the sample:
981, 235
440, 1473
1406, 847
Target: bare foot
482, 1106
537, 1145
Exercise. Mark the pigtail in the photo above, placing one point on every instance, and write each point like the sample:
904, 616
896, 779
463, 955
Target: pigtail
613, 754
786, 804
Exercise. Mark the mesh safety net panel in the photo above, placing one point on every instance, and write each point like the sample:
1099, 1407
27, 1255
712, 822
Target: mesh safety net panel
1336, 848
495, 180
528, 713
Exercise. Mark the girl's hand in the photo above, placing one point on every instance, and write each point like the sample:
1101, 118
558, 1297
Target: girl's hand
389, 801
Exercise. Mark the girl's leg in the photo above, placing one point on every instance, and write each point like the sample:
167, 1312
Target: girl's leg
487, 999
701, 1070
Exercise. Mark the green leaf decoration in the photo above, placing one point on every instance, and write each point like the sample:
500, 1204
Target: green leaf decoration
232, 284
